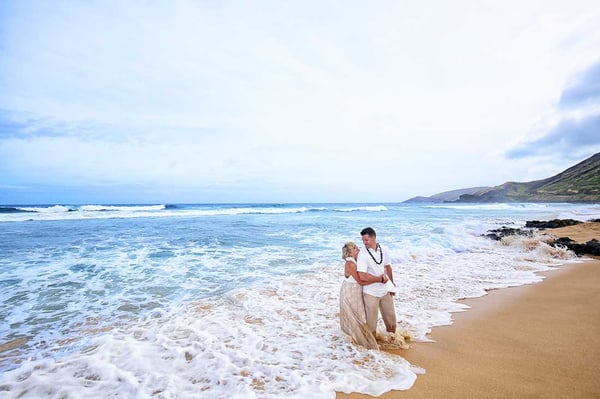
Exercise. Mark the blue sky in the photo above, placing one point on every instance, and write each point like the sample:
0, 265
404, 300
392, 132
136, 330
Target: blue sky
310, 101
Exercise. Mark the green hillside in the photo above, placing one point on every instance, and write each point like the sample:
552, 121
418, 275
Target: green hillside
579, 183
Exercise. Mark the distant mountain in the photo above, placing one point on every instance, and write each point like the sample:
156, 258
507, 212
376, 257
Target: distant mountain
446, 196
579, 183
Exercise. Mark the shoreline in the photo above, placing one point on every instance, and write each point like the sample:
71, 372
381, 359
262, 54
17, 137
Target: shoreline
538, 340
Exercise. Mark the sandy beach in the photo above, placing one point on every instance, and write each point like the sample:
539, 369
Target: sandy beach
533, 341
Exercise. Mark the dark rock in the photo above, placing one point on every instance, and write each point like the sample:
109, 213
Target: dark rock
498, 234
551, 224
564, 241
591, 247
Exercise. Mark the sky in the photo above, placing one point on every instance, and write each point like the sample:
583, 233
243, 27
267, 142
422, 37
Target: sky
115, 102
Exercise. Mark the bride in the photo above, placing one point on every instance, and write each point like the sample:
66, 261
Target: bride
353, 320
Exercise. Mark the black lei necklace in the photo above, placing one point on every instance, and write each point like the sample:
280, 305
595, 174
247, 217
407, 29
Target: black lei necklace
380, 254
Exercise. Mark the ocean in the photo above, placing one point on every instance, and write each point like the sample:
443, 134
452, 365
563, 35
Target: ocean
236, 300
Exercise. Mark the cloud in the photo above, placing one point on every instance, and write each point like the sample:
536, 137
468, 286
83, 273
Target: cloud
584, 90
23, 126
246, 99
577, 131
9, 129
566, 137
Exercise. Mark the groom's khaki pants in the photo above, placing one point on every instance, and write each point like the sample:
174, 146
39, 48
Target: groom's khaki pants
385, 304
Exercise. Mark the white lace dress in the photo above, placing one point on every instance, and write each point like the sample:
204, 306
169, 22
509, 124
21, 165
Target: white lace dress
353, 320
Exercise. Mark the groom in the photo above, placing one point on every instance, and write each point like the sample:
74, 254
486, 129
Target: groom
371, 263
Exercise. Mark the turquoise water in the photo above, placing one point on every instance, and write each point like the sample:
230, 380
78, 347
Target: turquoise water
234, 300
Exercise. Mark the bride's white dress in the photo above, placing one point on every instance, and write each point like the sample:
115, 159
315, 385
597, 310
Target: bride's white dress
353, 320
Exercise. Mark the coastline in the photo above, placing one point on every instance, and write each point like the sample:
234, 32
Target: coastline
535, 340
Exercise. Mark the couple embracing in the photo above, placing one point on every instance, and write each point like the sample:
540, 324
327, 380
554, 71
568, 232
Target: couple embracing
368, 289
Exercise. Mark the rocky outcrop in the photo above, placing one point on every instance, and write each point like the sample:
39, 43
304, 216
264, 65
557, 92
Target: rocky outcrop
551, 224
591, 247
498, 234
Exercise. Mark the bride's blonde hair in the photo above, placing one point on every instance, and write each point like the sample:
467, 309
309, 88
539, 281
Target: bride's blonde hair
347, 248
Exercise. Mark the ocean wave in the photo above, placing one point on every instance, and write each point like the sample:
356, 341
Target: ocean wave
48, 209
493, 206
246, 210
7, 209
54, 212
258, 209
128, 208
367, 208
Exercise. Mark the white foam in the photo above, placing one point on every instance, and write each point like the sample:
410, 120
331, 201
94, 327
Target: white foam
61, 212
55, 209
126, 208
369, 208
275, 341
492, 206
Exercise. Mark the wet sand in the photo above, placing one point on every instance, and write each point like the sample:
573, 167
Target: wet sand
533, 341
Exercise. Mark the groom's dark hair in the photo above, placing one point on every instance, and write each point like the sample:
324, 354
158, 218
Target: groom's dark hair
368, 231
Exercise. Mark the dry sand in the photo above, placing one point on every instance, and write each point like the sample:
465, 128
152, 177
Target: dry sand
534, 341
580, 233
